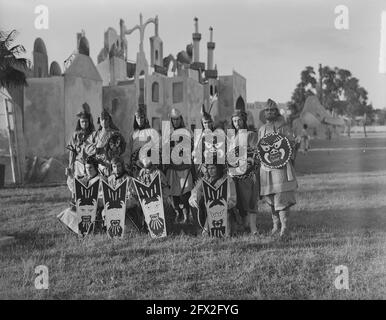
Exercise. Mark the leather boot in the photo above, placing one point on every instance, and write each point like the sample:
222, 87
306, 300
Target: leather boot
252, 222
245, 221
185, 215
284, 223
275, 220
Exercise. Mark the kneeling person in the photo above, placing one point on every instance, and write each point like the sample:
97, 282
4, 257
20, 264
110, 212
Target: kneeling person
69, 217
215, 175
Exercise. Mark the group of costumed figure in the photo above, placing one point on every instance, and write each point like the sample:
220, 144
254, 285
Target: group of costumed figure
115, 187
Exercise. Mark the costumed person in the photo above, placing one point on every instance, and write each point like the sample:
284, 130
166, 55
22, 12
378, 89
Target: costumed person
246, 181
119, 175
140, 136
69, 217
215, 174
208, 129
146, 175
180, 176
278, 185
105, 143
84, 128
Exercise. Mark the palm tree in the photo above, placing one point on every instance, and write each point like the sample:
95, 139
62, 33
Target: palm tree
11, 67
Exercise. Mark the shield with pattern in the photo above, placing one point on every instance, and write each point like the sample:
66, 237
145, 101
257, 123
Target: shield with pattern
150, 197
115, 209
217, 208
86, 199
274, 150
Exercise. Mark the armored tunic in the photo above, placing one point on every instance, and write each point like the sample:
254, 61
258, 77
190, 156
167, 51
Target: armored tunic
77, 144
274, 181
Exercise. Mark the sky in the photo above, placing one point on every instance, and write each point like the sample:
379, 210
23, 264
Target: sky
269, 42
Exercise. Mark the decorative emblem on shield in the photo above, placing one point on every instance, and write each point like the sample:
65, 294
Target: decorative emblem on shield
274, 150
150, 197
115, 209
86, 199
217, 208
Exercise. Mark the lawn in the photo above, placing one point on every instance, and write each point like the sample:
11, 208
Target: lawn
339, 219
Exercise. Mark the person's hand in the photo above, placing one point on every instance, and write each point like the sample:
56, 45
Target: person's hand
193, 202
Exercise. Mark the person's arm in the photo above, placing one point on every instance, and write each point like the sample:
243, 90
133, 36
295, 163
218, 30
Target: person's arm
90, 144
165, 185
71, 183
196, 194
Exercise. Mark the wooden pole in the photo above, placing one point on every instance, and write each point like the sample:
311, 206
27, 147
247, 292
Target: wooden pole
11, 150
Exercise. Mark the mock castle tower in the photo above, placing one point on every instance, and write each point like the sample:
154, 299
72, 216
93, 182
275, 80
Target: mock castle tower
156, 47
196, 65
211, 72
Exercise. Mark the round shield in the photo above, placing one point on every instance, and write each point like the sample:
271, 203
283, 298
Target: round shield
274, 150
115, 146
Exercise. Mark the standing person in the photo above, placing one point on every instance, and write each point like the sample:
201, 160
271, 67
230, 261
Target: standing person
140, 136
208, 129
179, 176
277, 186
247, 183
98, 142
84, 128
304, 139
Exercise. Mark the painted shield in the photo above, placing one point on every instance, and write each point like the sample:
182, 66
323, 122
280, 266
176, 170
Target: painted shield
150, 197
86, 205
274, 150
217, 208
115, 209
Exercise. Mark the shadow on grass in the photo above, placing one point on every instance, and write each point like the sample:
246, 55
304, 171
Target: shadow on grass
34, 240
35, 199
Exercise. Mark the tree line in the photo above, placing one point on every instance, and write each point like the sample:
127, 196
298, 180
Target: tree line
337, 90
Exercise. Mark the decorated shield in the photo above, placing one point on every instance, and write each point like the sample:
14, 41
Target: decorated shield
150, 197
217, 208
115, 209
274, 150
86, 205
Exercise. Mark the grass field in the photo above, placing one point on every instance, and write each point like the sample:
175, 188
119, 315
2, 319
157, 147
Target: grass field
340, 219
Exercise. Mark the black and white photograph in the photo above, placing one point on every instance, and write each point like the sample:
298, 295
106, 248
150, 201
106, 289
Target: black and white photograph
198, 153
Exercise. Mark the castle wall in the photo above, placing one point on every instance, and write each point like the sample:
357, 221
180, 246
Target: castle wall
76, 92
194, 100
239, 88
125, 107
44, 117
104, 71
157, 111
